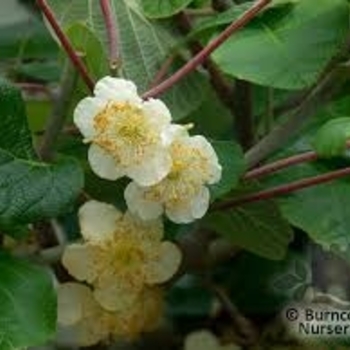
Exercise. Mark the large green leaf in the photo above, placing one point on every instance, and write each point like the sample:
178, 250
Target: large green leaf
163, 9
257, 227
144, 46
29, 189
322, 211
287, 47
28, 304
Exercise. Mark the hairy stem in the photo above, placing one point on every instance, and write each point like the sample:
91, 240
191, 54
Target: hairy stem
222, 88
112, 34
283, 189
280, 164
76, 60
56, 120
197, 60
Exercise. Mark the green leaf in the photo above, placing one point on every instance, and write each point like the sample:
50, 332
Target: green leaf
331, 139
220, 19
144, 47
322, 211
257, 227
29, 189
90, 47
163, 9
28, 304
231, 159
287, 47
14, 132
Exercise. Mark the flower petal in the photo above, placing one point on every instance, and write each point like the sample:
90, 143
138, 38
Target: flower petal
152, 170
78, 260
203, 340
138, 205
214, 167
103, 164
157, 111
165, 266
173, 132
88, 332
200, 203
117, 90
84, 115
113, 296
98, 220
69, 305
180, 214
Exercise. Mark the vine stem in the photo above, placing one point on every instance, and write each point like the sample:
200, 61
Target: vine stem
76, 60
280, 164
112, 34
197, 60
283, 189
283, 163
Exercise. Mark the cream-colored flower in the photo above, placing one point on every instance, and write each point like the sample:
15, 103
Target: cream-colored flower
128, 135
77, 310
87, 323
120, 255
183, 194
205, 340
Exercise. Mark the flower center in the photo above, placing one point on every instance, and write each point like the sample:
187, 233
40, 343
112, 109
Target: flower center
124, 254
124, 131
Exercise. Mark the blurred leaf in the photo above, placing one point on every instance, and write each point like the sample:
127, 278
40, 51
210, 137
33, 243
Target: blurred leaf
331, 139
257, 227
286, 282
249, 280
163, 9
29, 189
46, 71
28, 39
188, 299
231, 159
287, 47
28, 304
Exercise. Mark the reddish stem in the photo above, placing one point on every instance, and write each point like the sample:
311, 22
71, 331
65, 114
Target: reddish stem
280, 164
283, 163
112, 34
76, 60
213, 45
284, 189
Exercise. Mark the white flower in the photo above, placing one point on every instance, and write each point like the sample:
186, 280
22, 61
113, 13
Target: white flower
121, 255
128, 135
86, 323
204, 340
183, 193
